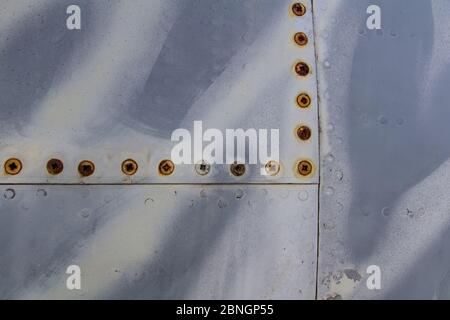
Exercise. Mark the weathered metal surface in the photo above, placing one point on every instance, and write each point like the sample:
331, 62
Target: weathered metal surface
135, 72
159, 241
385, 170
98, 106
115, 91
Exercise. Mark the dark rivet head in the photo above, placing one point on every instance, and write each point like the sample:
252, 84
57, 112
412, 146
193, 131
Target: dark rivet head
166, 167
237, 169
304, 168
301, 39
304, 133
129, 167
303, 100
298, 9
55, 166
13, 166
86, 168
202, 168
302, 69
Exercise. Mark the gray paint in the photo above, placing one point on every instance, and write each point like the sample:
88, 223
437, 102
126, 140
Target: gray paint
142, 242
389, 146
383, 166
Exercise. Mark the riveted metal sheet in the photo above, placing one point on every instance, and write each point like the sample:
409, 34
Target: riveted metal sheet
167, 242
385, 170
118, 88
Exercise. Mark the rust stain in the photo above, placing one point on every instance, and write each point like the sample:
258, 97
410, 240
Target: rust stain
272, 168
237, 169
202, 168
298, 9
166, 167
303, 100
302, 69
301, 39
129, 167
13, 166
55, 166
305, 168
86, 168
304, 133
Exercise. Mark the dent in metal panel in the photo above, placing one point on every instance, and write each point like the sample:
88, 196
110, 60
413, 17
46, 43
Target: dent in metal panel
222, 242
385, 150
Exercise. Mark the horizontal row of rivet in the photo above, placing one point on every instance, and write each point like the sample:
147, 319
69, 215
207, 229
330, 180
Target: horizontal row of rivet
86, 168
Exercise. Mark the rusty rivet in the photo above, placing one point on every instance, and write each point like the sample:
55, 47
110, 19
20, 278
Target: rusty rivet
202, 168
302, 69
298, 9
237, 169
86, 168
55, 166
304, 168
272, 168
166, 167
13, 166
303, 100
129, 167
304, 133
301, 39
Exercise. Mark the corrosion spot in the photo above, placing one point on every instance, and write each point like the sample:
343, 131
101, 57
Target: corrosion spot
298, 9
129, 167
304, 133
202, 168
304, 168
13, 166
301, 39
166, 167
237, 169
302, 69
55, 166
86, 168
303, 100
272, 168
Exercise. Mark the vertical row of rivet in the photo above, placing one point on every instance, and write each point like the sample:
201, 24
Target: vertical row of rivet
302, 69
